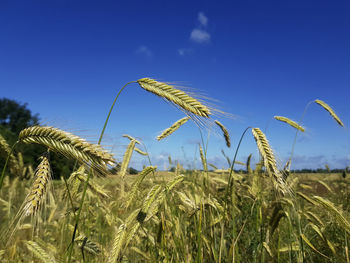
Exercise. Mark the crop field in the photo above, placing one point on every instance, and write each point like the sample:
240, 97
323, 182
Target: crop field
100, 211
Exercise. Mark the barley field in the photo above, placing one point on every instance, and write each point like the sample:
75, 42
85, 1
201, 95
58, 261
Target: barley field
100, 212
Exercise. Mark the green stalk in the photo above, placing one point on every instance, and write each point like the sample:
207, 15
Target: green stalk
5, 166
89, 175
228, 190
229, 185
110, 111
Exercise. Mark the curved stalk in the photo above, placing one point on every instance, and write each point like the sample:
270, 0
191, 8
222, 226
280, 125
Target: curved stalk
228, 189
110, 111
89, 176
229, 184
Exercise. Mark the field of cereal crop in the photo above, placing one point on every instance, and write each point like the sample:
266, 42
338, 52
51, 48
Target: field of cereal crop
100, 212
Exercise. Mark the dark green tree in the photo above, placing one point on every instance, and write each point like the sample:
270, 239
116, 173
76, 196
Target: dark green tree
15, 117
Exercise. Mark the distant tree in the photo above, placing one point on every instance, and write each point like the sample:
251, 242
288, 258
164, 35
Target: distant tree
14, 117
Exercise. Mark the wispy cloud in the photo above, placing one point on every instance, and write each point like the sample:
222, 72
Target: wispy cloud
144, 50
200, 34
184, 51
202, 19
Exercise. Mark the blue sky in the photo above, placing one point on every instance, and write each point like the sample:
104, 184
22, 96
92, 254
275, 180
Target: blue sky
258, 59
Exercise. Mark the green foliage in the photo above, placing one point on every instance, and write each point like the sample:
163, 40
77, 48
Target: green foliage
13, 118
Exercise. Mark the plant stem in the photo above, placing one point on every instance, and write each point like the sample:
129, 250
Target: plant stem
90, 173
229, 184
110, 111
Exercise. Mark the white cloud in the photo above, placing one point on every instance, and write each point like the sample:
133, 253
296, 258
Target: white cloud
184, 51
200, 36
144, 50
202, 19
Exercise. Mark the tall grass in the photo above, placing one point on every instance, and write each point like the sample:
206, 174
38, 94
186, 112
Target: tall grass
260, 214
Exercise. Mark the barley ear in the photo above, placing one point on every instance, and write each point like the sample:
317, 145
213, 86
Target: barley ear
172, 128
290, 122
126, 158
204, 161
140, 152
213, 166
330, 111
118, 244
225, 132
132, 193
39, 252
249, 169
334, 211
131, 138
69, 145
175, 96
5, 150
269, 160
39, 189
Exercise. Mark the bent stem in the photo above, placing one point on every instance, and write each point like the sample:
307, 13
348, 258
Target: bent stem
229, 186
5, 166
89, 175
110, 111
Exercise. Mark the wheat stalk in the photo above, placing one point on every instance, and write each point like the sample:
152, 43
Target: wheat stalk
69, 145
334, 211
225, 132
290, 122
140, 151
132, 193
330, 110
172, 128
39, 252
212, 165
249, 170
74, 183
39, 188
118, 243
93, 186
175, 96
126, 158
131, 138
204, 161
150, 206
269, 159
5, 150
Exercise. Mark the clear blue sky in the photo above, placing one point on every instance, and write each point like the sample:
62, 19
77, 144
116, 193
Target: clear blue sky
68, 59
